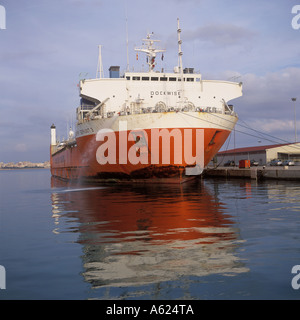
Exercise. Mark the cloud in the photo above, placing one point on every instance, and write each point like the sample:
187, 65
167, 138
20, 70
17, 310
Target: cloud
86, 2
270, 95
220, 34
20, 147
266, 107
273, 125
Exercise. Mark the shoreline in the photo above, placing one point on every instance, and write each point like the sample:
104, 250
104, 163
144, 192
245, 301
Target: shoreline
24, 165
16, 168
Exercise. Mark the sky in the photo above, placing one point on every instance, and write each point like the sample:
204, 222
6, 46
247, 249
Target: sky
48, 46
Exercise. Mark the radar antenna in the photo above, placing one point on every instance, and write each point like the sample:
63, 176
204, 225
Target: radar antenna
149, 48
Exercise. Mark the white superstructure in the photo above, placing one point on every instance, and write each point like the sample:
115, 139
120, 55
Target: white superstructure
148, 92
154, 91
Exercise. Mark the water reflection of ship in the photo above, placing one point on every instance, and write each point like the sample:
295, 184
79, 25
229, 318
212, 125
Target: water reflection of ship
148, 234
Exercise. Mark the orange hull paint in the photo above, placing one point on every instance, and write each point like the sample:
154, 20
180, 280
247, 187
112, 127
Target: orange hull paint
208, 214
80, 161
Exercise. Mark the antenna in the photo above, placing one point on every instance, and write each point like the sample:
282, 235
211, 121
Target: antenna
126, 18
99, 73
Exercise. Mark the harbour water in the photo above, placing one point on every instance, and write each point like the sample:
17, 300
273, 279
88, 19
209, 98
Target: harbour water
206, 239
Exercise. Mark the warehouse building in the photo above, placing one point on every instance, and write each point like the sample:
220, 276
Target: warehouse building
261, 154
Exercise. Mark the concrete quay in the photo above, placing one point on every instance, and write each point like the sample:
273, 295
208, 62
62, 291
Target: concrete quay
258, 173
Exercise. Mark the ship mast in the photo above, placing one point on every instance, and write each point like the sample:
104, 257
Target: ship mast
179, 48
99, 73
150, 50
182, 97
127, 40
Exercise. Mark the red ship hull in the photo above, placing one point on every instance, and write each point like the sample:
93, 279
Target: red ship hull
80, 160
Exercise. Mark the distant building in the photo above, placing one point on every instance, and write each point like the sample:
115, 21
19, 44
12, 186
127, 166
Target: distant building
262, 154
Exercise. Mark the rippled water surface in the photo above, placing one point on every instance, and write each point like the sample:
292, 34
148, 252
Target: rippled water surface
206, 239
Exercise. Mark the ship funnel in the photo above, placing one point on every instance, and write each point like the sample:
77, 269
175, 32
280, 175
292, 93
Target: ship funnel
53, 135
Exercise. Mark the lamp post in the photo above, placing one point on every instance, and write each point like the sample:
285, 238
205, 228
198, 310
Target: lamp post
294, 100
